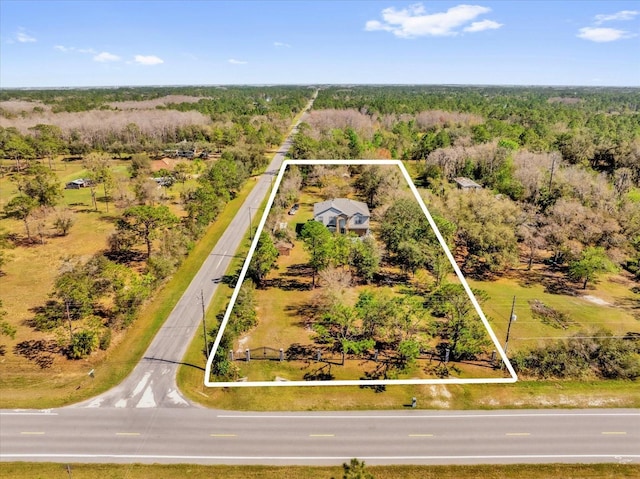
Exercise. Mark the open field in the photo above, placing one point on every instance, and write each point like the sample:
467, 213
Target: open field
138, 471
24, 384
611, 304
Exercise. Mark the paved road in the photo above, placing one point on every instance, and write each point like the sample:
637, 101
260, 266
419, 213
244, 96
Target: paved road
152, 383
197, 435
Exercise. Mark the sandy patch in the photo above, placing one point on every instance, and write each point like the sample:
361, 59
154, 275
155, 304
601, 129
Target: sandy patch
242, 342
440, 396
596, 300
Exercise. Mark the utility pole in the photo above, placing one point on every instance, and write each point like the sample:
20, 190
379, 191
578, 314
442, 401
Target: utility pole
204, 325
66, 304
512, 318
553, 167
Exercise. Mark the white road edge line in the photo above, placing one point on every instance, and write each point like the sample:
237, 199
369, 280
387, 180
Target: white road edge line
28, 413
316, 458
421, 416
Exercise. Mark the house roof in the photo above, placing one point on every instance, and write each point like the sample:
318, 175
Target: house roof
342, 205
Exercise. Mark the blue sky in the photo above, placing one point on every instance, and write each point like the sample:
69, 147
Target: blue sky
52, 43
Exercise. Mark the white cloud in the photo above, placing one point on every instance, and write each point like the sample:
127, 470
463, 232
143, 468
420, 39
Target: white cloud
602, 35
483, 25
414, 21
281, 45
621, 15
148, 60
24, 37
233, 61
62, 48
106, 57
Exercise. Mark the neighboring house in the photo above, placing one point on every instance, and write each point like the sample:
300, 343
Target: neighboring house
77, 184
467, 184
343, 215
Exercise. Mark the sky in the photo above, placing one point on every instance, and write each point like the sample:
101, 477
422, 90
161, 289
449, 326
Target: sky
51, 43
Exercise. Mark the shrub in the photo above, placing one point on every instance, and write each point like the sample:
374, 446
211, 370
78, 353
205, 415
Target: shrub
596, 354
105, 340
83, 343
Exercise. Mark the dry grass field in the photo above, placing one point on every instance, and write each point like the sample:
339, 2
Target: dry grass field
27, 279
140, 471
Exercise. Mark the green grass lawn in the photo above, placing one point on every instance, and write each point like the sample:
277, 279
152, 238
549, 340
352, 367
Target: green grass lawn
619, 315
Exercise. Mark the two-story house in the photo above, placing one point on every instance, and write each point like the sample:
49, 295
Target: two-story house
343, 215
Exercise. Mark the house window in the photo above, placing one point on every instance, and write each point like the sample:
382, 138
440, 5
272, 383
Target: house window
359, 220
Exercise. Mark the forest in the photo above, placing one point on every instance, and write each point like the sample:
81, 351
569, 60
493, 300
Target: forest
558, 203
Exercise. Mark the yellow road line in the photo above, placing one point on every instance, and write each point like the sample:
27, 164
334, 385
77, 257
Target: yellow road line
127, 433
614, 433
32, 433
518, 434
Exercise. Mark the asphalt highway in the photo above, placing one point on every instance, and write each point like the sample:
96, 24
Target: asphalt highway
202, 436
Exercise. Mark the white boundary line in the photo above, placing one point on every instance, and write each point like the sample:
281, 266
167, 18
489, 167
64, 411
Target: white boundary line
370, 382
616, 457
411, 416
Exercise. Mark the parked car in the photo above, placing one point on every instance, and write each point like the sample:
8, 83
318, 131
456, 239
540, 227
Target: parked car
294, 208
77, 184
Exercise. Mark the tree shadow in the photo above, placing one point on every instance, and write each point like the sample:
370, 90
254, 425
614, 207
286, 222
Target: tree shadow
126, 256
306, 310
40, 351
23, 241
299, 352
553, 283
323, 373
230, 279
390, 278
285, 284
299, 270
107, 218
374, 375
630, 304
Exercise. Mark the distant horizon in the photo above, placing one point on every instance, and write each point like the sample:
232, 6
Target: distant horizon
105, 43
320, 85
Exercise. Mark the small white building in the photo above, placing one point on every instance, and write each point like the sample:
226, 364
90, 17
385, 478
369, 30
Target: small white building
467, 184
